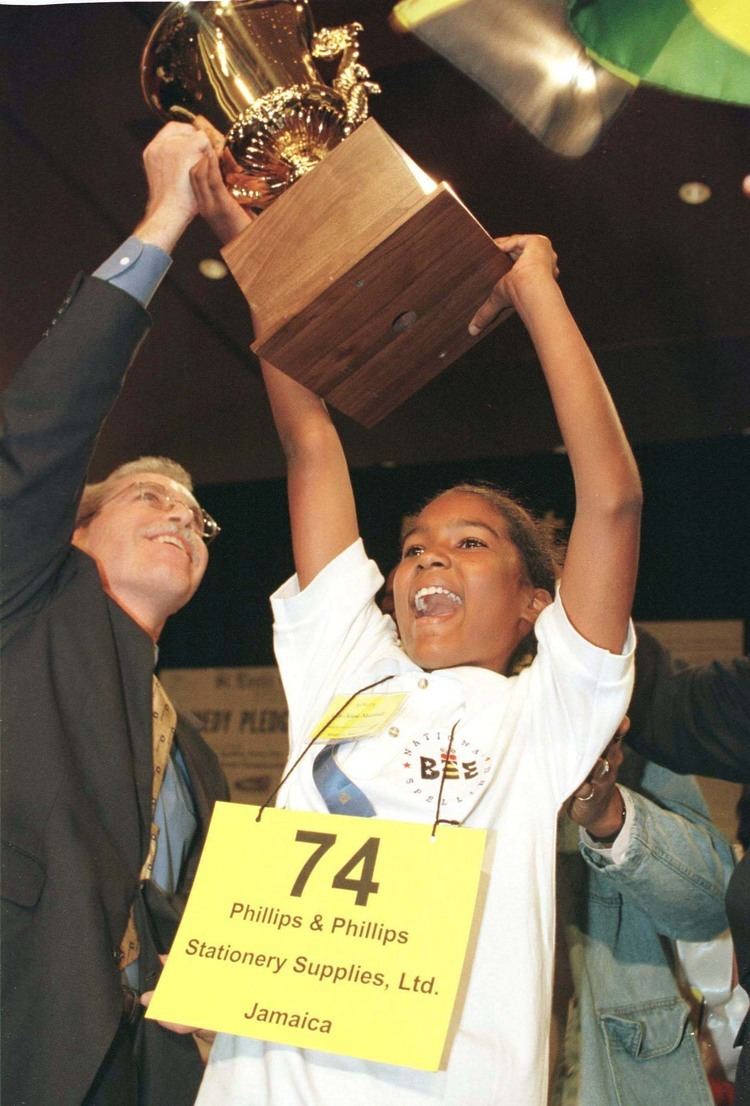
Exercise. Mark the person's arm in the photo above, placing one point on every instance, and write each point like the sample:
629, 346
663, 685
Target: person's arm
171, 203
55, 405
322, 513
676, 864
691, 719
597, 806
321, 502
598, 579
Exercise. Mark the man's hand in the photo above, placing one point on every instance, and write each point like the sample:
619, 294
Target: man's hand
206, 1035
597, 804
171, 203
173, 1027
220, 210
533, 258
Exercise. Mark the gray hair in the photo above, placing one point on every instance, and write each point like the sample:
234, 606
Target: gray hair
95, 494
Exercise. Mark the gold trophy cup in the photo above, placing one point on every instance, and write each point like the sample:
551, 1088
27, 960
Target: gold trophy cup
362, 272
249, 68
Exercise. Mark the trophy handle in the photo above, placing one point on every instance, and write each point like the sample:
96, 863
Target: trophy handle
351, 80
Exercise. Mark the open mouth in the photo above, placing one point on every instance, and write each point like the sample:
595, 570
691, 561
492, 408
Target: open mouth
436, 602
175, 540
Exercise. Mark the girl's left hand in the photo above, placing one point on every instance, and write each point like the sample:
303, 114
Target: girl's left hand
532, 255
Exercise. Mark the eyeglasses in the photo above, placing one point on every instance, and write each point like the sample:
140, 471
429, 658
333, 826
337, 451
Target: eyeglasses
158, 497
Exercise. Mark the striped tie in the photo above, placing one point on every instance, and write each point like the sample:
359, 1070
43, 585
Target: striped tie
163, 726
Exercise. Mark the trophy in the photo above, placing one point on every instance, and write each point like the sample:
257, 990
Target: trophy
248, 68
363, 272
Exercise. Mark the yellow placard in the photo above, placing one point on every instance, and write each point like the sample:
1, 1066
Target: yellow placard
365, 716
327, 932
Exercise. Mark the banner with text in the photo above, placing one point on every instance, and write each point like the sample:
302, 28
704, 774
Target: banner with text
243, 715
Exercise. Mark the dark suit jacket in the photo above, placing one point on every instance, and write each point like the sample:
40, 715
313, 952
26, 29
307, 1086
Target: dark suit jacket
76, 715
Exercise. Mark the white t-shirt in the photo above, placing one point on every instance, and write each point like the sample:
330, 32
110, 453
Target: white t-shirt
522, 744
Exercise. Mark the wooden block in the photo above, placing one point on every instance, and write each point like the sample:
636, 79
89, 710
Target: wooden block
428, 276
327, 221
364, 284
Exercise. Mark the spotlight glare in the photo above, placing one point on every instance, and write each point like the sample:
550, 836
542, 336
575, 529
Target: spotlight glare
694, 192
575, 70
212, 269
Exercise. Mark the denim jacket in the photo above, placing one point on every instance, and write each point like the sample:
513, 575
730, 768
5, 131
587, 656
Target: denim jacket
629, 1040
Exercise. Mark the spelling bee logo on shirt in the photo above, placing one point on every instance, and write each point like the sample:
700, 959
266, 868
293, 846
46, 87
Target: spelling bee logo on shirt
466, 768
358, 719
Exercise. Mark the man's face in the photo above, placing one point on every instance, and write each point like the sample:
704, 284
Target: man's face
460, 592
150, 561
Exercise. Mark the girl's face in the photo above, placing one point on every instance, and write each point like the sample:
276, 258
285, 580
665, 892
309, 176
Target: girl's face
460, 591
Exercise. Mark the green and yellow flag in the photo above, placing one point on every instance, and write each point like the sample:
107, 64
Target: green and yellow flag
524, 54
697, 47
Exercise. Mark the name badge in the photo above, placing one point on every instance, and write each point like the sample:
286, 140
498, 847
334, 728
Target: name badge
346, 935
365, 716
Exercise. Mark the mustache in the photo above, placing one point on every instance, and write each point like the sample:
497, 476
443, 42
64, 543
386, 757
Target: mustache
183, 533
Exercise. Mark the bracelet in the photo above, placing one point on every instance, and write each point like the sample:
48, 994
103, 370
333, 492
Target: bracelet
612, 837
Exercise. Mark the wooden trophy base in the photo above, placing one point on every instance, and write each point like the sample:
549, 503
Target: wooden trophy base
364, 276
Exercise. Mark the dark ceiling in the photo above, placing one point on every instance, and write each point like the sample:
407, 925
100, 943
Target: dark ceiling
661, 289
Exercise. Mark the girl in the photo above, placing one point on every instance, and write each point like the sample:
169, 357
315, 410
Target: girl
474, 581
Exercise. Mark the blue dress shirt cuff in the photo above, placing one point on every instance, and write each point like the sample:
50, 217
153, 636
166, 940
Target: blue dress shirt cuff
136, 267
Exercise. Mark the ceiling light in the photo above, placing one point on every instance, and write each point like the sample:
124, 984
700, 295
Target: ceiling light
212, 269
694, 192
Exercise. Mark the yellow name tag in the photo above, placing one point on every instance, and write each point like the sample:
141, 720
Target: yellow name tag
342, 934
365, 716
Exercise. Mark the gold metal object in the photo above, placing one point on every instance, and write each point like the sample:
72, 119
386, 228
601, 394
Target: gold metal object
248, 67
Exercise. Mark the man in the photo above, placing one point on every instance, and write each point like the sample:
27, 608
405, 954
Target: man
91, 783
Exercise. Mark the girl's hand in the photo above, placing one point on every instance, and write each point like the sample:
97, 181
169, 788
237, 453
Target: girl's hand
533, 259
222, 213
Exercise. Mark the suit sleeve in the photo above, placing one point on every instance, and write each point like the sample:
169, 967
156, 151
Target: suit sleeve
52, 413
691, 719
677, 864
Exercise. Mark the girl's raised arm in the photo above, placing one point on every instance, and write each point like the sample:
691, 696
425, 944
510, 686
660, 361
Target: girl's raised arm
321, 502
600, 568
598, 579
